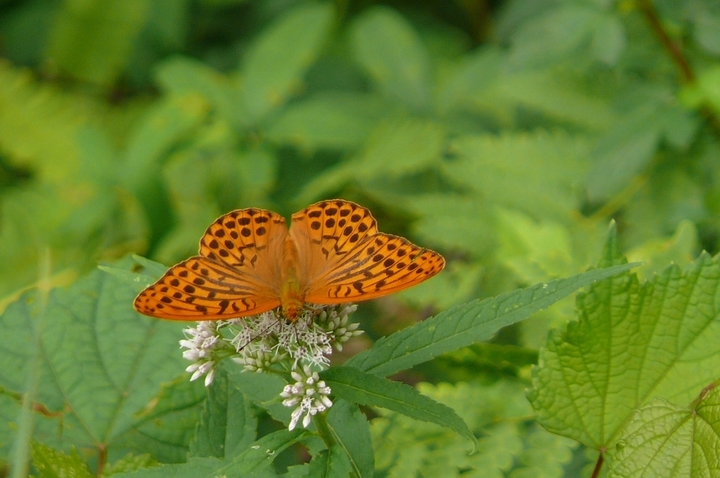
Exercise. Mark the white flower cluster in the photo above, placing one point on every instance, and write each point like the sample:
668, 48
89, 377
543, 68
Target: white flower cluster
308, 393
270, 342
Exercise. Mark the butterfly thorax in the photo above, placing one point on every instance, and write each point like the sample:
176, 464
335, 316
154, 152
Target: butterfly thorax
292, 297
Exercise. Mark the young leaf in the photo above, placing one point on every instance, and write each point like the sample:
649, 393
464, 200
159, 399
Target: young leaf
631, 343
352, 433
362, 388
465, 324
667, 440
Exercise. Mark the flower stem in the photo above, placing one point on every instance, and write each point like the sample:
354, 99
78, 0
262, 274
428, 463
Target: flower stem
321, 422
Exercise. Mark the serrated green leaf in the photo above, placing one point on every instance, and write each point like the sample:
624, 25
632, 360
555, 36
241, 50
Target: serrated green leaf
51, 463
632, 343
465, 324
386, 45
228, 421
257, 458
93, 40
101, 367
352, 434
668, 440
362, 388
278, 59
194, 468
331, 463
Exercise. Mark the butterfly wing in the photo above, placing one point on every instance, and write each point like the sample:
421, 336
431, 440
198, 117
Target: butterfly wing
236, 274
344, 258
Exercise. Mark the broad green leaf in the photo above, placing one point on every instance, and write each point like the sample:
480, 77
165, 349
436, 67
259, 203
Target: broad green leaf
277, 60
706, 16
538, 173
51, 463
93, 40
352, 434
632, 343
363, 388
669, 440
465, 324
194, 468
335, 121
228, 422
386, 45
101, 367
333, 463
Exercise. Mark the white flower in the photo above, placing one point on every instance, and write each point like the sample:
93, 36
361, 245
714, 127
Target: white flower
308, 394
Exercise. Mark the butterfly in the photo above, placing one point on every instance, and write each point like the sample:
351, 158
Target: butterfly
250, 262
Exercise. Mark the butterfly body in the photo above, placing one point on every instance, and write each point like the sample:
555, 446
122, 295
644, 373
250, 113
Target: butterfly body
249, 262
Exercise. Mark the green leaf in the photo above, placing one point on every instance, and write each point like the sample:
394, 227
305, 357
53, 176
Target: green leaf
94, 40
228, 422
278, 59
352, 434
386, 45
608, 41
55, 464
335, 121
257, 458
194, 468
668, 440
262, 388
538, 173
100, 368
465, 324
363, 388
330, 464
632, 343
396, 146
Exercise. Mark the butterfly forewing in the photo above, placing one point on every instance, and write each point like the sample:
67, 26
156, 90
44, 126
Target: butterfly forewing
346, 258
237, 273
202, 289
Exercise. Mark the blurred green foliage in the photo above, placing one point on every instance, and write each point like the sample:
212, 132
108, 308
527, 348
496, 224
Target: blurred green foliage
505, 134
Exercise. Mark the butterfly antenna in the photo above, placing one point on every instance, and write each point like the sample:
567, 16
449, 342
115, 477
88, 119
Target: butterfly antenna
259, 334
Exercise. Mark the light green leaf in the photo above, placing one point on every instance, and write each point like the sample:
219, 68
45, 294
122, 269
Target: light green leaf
363, 388
352, 434
278, 59
465, 324
257, 458
386, 45
668, 440
631, 343
608, 40
262, 388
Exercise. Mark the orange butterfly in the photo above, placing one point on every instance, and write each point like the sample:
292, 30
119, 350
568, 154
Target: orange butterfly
249, 263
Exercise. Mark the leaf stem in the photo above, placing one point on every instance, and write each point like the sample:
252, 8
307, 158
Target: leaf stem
648, 9
598, 466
